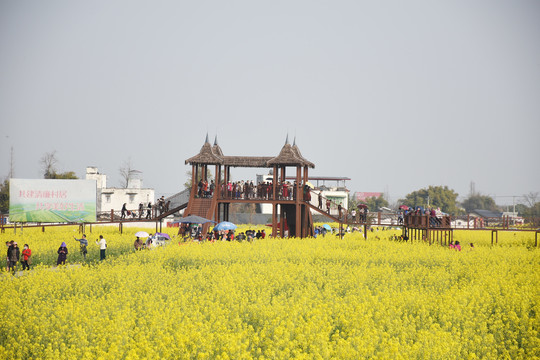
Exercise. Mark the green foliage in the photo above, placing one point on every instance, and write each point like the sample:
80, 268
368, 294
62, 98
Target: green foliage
4, 196
528, 211
439, 196
352, 203
70, 175
477, 201
189, 175
375, 203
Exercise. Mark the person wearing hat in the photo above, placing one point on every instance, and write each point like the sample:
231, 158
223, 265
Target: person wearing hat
13, 255
62, 254
138, 244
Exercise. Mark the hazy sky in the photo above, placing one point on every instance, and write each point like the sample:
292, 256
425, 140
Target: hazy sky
396, 95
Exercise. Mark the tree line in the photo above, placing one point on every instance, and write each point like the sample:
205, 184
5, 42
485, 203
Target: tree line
446, 199
49, 168
433, 196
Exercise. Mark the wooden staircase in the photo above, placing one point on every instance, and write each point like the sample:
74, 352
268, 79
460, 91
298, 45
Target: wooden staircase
320, 211
204, 207
199, 207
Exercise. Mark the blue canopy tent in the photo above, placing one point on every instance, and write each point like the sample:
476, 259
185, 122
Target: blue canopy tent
193, 219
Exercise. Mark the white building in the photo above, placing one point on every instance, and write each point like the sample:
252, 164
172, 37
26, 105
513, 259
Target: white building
336, 195
113, 198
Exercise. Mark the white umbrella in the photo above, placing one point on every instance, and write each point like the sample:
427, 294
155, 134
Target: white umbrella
142, 234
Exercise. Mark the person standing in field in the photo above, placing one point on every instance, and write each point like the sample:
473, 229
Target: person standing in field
62, 254
8, 244
102, 247
138, 244
84, 245
27, 257
148, 244
13, 255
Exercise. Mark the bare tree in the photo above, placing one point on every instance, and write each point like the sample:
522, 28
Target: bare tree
48, 164
531, 199
124, 171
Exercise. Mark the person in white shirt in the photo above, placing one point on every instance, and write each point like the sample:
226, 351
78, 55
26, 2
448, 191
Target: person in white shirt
102, 247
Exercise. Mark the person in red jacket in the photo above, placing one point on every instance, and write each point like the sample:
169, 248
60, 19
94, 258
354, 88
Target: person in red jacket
27, 253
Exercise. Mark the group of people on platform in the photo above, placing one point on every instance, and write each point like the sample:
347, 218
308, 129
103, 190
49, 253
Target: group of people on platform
248, 190
361, 215
435, 215
137, 214
162, 206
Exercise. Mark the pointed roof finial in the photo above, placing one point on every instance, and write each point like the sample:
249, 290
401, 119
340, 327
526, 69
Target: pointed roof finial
206, 141
215, 140
294, 141
287, 140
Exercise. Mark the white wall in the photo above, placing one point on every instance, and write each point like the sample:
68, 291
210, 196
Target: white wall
113, 198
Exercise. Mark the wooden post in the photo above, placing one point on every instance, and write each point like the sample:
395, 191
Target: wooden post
228, 170
298, 219
194, 175
365, 231
281, 222
120, 227
281, 214
274, 199
427, 230
274, 219
274, 183
217, 183
496, 237
112, 215
536, 238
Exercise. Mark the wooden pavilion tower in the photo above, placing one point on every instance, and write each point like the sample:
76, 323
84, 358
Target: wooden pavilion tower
293, 210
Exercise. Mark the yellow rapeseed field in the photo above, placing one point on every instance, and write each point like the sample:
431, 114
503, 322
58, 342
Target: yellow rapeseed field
323, 298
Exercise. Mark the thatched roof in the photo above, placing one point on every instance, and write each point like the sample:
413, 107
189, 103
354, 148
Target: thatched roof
299, 155
247, 161
216, 148
290, 156
212, 155
205, 156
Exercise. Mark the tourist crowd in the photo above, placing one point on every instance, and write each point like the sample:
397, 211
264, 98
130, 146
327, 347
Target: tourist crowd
14, 253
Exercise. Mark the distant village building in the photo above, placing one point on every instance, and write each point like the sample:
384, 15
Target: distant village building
362, 196
113, 198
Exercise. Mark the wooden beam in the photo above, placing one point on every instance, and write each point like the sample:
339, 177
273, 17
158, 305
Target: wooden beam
298, 219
